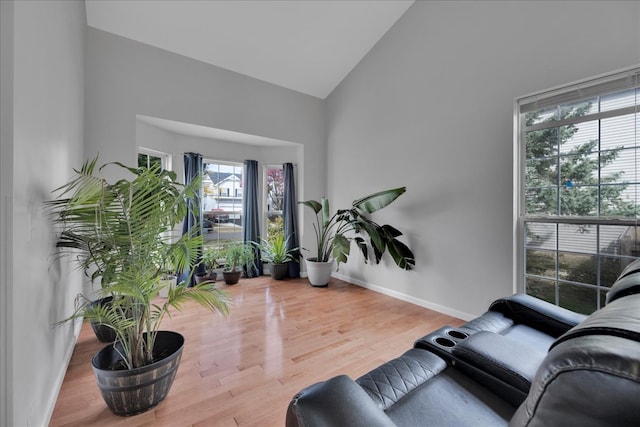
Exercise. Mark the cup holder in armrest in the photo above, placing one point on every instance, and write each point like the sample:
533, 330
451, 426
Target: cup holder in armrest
442, 341
445, 342
455, 333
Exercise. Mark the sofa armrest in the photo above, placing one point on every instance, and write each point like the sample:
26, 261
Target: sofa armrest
512, 362
339, 401
538, 314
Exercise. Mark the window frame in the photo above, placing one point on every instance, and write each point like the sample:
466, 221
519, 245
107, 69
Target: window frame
574, 92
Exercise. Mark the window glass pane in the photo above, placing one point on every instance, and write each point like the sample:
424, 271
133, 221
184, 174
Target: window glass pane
580, 138
147, 161
541, 201
222, 185
627, 98
143, 160
541, 288
581, 299
541, 263
610, 269
274, 193
581, 238
579, 201
541, 143
618, 166
275, 189
580, 108
617, 200
542, 172
579, 169
540, 116
540, 235
577, 268
618, 132
619, 240
616, 240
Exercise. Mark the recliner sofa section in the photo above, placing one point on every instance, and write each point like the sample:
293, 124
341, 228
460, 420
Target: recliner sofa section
524, 362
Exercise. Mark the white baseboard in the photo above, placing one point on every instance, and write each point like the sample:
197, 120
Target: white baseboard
408, 298
77, 325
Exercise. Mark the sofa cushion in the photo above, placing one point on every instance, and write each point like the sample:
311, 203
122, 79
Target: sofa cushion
451, 399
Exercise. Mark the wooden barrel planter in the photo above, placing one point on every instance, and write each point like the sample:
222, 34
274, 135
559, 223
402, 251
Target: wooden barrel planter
133, 391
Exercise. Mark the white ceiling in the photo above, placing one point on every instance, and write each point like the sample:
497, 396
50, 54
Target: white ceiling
306, 45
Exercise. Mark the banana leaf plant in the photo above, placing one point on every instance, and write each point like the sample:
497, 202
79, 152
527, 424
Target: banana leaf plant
335, 232
122, 233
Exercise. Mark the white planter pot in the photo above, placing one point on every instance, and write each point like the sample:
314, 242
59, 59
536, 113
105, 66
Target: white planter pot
171, 282
318, 273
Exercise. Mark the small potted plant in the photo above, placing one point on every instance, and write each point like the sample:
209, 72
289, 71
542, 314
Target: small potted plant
334, 233
275, 252
210, 262
236, 256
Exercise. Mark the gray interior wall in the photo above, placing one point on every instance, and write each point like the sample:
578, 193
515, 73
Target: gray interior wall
43, 77
6, 218
126, 78
431, 107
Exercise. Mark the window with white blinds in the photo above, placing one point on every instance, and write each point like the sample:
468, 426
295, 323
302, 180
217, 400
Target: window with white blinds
578, 185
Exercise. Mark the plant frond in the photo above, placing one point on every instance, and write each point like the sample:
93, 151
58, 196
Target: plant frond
313, 204
379, 200
401, 254
205, 294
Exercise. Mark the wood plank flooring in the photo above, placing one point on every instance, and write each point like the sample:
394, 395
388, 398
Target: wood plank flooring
242, 370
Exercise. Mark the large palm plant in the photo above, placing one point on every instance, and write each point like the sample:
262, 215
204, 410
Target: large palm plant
122, 234
334, 232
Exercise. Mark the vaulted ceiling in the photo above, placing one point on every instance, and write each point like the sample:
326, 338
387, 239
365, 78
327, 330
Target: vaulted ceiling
308, 46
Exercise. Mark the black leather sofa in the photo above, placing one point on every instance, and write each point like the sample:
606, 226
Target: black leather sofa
522, 363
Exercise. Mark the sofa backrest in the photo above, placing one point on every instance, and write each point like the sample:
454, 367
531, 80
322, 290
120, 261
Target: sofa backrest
591, 375
634, 267
627, 284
